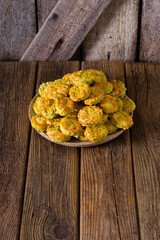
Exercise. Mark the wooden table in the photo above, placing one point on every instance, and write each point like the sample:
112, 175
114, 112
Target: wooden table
48, 191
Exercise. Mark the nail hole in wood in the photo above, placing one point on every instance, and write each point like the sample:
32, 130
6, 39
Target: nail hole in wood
55, 16
58, 44
108, 55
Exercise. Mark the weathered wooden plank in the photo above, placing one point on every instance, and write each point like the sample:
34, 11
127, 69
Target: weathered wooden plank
144, 87
108, 209
16, 83
52, 186
150, 29
18, 27
61, 34
114, 37
44, 8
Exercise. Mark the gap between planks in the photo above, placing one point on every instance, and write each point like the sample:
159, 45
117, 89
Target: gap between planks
14, 142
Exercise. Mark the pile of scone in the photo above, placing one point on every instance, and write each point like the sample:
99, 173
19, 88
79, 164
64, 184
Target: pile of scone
83, 105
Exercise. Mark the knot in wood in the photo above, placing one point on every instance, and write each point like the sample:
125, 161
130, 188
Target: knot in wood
55, 16
61, 232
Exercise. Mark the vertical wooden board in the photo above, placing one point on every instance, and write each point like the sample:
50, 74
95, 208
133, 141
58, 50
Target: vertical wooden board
17, 84
150, 29
52, 187
44, 8
114, 37
18, 27
144, 87
107, 195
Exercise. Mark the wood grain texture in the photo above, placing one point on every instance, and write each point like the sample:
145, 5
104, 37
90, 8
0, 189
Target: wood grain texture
108, 209
144, 87
18, 27
16, 83
64, 30
150, 29
44, 8
52, 187
114, 37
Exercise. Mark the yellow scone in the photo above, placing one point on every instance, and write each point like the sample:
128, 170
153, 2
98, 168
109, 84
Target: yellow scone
56, 90
62, 81
90, 115
96, 133
109, 104
97, 76
80, 92
122, 119
39, 102
110, 127
97, 95
45, 107
53, 122
49, 111
43, 87
119, 89
39, 123
78, 77
71, 126
86, 76
119, 103
64, 106
128, 105
56, 135
107, 87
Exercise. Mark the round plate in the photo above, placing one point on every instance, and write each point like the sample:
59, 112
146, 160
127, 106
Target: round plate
72, 142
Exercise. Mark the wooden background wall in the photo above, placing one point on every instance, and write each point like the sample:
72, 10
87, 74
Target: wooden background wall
128, 30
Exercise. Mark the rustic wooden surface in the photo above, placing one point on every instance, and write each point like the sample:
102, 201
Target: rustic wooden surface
44, 8
61, 34
114, 37
15, 96
17, 27
52, 192
150, 29
107, 194
128, 30
143, 83
52, 187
